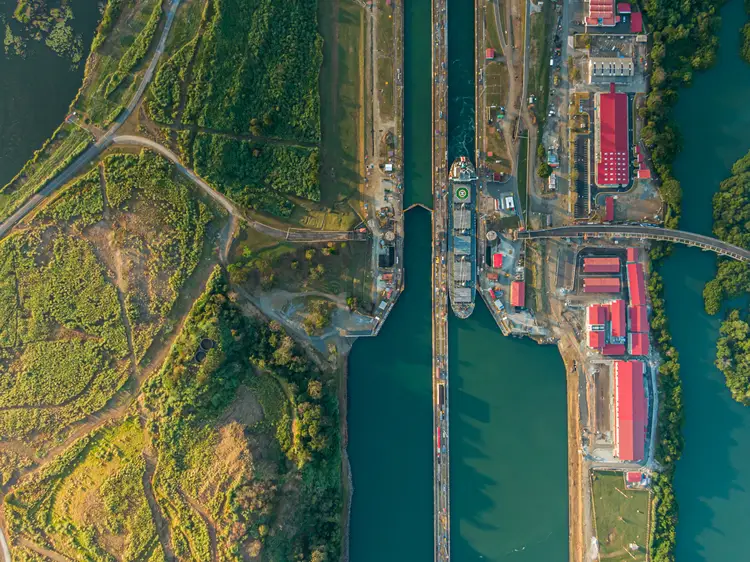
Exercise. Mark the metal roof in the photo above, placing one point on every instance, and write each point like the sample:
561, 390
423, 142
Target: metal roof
639, 344
630, 408
518, 293
636, 284
617, 309
601, 285
638, 319
613, 161
601, 265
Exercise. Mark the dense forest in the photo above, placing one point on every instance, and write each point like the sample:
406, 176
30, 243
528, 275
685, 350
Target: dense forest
684, 40
745, 36
733, 355
258, 175
257, 70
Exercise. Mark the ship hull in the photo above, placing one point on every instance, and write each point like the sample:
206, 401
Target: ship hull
462, 241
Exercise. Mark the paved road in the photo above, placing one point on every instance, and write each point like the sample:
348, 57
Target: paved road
96, 149
637, 231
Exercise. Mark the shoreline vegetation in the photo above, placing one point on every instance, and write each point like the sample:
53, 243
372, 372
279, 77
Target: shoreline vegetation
677, 52
731, 211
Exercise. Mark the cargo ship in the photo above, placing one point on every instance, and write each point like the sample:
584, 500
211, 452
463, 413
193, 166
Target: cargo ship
462, 240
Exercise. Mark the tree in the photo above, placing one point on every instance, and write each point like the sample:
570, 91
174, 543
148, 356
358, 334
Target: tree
544, 170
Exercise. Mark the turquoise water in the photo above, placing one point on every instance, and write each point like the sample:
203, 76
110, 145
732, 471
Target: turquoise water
713, 478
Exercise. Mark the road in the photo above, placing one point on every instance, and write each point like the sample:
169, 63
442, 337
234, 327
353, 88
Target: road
291, 234
638, 231
441, 450
98, 147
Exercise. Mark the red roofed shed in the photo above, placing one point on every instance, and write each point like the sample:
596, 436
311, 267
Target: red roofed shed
623, 8
633, 477
518, 293
497, 260
601, 265
617, 309
601, 285
636, 284
609, 209
596, 339
630, 411
614, 349
489, 54
597, 315
644, 174
632, 255
613, 160
601, 12
639, 344
638, 319
636, 22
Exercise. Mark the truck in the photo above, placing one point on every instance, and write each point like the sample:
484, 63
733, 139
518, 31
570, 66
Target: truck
441, 395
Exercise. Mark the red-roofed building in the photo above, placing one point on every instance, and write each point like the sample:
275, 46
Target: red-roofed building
489, 54
638, 319
609, 209
623, 8
638, 343
601, 265
617, 309
636, 284
601, 285
630, 411
601, 13
612, 145
644, 174
614, 349
636, 22
497, 260
634, 477
518, 293
597, 315
632, 255
596, 339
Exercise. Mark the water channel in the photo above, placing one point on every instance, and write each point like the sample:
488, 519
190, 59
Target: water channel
35, 91
713, 477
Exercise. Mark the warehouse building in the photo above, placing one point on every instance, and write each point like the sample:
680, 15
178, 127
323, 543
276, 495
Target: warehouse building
612, 147
630, 411
601, 265
601, 285
518, 294
604, 69
601, 13
636, 284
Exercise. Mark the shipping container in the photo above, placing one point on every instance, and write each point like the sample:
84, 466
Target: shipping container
441, 394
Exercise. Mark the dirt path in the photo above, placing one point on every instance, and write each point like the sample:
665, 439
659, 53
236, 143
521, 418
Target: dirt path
210, 525
162, 526
50, 554
226, 239
244, 136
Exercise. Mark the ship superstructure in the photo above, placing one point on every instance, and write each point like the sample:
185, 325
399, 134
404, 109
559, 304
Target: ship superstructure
462, 241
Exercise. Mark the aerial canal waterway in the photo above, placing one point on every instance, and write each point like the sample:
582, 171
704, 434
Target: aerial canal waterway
713, 477
35, 91
509, 487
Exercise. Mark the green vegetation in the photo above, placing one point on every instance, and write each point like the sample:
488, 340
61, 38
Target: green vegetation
333, 268
89, 503
166, 87
122, 41
733, 355
684, 40
266, 47
40, 21
669, 430
80, 202
523, 158
745, 36
621, 517
318, 315
66, 143
249, 430
135, 52
256, 175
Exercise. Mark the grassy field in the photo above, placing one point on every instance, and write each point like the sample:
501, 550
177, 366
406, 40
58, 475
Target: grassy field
541, 28
342, 25
110, 77
523, 158
66, 143
493, 29
621, 518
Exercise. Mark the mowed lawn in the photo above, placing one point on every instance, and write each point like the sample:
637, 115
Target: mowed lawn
621, 518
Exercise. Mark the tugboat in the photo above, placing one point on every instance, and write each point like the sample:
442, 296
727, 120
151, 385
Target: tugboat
462, 240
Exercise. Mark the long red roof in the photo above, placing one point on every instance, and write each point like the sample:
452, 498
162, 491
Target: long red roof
636, 284
601, 285
638, 319
630, 406
617, 309
596, 339
517, 293
597, 315
639, 344
613, 167
601, 265
614, 349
